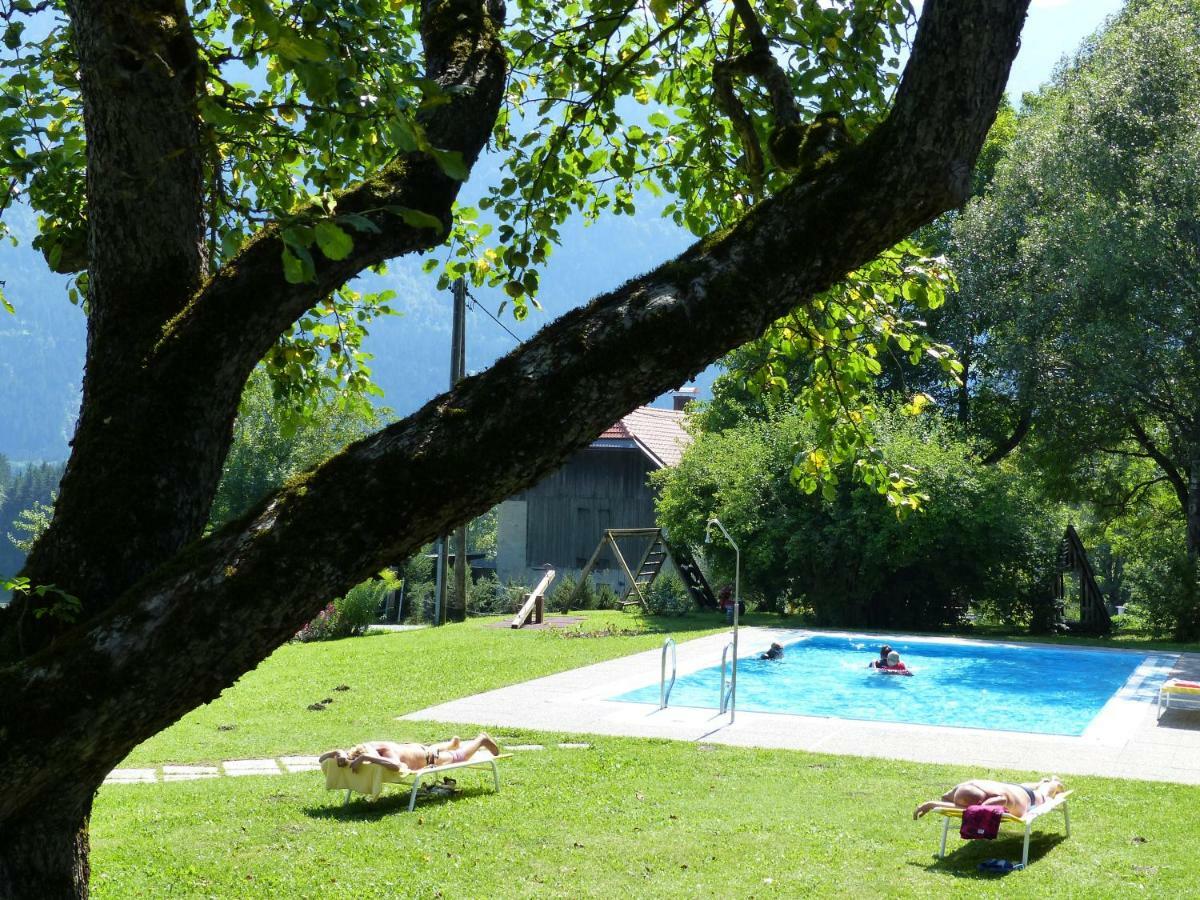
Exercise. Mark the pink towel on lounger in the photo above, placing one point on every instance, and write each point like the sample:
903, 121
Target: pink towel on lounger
981, 822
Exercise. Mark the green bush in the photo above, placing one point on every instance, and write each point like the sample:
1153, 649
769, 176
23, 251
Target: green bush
487, 597
606, 597
560, 597
362, 605
416, 574
984, 538
588, 596
1161, 585
516, 592
353, 614
1167, 592
667, 596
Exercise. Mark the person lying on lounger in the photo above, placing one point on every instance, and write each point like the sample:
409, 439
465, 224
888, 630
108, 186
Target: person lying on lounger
1017, 799
411, 756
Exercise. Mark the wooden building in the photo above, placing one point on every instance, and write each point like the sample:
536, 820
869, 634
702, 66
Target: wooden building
559, 521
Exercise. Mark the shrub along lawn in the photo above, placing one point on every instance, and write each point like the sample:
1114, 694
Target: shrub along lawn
629, 816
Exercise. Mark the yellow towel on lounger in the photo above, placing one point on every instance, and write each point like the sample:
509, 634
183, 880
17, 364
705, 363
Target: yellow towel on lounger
1180, 686
369, 779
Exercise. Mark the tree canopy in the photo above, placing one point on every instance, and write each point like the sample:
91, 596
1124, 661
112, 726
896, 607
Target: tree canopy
984, 542
215, 175
1080, 264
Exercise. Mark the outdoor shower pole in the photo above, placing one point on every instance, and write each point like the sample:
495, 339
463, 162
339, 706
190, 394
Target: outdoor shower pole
737, 603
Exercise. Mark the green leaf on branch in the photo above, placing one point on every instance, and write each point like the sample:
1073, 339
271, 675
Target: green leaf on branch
296, 269
451, 162
416, 218
332, 240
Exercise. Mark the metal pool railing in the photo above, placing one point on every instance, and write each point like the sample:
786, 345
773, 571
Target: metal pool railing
664, 689
726, 692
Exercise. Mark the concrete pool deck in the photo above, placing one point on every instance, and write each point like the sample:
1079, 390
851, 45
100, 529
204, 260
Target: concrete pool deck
1126, 740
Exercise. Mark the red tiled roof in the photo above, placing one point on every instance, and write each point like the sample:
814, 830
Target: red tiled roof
658, 433
616, 432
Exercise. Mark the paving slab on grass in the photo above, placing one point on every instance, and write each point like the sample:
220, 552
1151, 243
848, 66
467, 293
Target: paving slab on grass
300, 763
132, 776
189, 773
238, 767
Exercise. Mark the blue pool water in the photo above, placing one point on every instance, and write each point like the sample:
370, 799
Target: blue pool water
1002, 687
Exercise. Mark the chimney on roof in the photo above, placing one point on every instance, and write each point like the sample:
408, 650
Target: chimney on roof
681, 397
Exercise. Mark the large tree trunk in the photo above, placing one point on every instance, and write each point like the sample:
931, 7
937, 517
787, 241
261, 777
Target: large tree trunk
164, 444
1188, 626
172, 625
1192, 508
44, 855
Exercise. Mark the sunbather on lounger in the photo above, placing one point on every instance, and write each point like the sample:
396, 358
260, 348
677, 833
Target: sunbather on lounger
412, 756
1017, 799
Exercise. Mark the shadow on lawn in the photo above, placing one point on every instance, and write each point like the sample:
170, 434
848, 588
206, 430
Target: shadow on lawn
964, 861
360, 809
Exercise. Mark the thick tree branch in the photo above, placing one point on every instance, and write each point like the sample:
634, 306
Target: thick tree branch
229, 600
766, 68
1172, 472
139, 75
1009, 444
760, 62
244, 307
159, 429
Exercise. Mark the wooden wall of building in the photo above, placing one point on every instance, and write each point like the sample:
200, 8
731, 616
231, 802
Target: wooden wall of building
568, 511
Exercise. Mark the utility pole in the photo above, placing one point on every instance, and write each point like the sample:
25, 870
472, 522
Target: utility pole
458, 371
454, 609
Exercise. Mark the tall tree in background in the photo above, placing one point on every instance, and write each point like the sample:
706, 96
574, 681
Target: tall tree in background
24, 490
213, 225
272, 443
1087, 252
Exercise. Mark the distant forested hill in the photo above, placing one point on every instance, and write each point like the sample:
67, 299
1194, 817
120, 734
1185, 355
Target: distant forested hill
41, 354
42, 347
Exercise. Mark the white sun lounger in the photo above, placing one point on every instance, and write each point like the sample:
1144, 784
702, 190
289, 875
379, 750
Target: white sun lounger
1177, 692
1027, 820
370, 777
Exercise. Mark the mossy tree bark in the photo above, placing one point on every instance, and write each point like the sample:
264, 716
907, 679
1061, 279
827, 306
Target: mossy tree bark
46, 851
170, 619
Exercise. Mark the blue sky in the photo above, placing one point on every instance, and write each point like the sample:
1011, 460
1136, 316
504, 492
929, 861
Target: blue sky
1054, 28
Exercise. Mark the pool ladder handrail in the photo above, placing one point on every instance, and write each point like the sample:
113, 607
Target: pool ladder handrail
664, 689
726, 692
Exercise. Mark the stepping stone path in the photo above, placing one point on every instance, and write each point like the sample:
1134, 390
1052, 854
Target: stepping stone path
188, 773
238, 767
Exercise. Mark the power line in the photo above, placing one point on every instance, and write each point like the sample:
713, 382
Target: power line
483, 309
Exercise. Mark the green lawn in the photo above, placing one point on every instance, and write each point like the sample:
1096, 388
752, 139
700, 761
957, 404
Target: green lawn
266, 713
623, 817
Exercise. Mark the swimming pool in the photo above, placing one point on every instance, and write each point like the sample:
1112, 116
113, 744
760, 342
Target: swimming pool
969, 684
